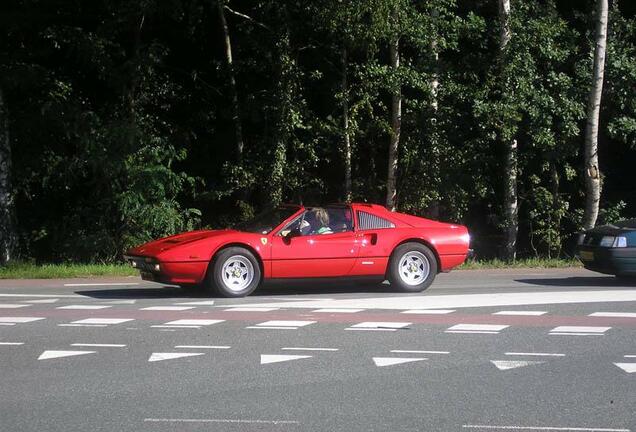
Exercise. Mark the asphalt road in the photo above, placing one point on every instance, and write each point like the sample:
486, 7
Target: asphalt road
480, 351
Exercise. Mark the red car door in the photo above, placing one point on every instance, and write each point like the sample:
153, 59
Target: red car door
320, 255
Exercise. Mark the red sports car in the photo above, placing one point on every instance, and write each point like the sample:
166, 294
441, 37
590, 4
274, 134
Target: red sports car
293, 241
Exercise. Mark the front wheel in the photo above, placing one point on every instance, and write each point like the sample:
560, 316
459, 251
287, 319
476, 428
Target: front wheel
413, 267
235, 272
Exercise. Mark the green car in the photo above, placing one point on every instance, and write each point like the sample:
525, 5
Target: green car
610, 249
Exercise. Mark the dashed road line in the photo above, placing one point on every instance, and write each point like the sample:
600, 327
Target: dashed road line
279, 358
223, 347
18, 320
12, 305
106, 321
429, 311
614, 314
101, 284
521, 313
419, 352
167, 308
392, 361
379, 326
476, 328
12, 343
535, 354
193, 322
98, 345
578, 331
544, 428
308, 349
250, 309
338, 310
240, 421
84, 307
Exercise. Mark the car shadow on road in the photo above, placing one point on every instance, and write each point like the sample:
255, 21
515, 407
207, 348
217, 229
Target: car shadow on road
268, 289
580, 281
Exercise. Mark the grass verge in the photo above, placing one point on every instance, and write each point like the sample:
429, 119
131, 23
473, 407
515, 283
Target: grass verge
68, 271
63, 271
521, 263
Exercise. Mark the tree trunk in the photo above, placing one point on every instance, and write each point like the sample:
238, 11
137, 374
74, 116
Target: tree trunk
236, 114
591, 172
434, 207
345, 125
511, 201
396, 124
7, 210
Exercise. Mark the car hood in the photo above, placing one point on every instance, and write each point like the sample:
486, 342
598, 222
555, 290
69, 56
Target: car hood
161, 245
610, 230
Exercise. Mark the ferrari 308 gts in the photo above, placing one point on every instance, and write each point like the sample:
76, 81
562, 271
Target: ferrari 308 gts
293, 241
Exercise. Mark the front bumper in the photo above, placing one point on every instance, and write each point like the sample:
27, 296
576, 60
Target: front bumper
178, 273
615, 261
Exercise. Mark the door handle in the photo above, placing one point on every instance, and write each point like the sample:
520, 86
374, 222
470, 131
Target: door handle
371, 238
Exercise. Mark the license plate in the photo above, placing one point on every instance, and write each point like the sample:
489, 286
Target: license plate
587, 255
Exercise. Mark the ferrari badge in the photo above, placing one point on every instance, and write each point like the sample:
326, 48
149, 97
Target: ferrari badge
264, 240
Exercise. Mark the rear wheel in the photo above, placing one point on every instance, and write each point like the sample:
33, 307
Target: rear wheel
235, 272
413, 267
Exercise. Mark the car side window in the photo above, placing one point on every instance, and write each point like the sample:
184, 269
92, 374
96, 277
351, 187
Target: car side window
367, 221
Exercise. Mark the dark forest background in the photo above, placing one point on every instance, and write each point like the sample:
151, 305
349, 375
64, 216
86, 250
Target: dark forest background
127, 120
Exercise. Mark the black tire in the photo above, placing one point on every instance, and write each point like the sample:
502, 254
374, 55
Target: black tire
410, 282
223, 286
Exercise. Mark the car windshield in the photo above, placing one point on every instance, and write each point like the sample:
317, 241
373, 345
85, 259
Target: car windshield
265, 222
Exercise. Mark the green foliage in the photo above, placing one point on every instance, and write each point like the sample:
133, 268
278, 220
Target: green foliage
122, 130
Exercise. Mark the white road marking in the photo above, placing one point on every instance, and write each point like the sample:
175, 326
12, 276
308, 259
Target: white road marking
167, 308
613, 314
176, 326
98, 345
477, 327
101, 284
12, 306
82, 325
627, 367
513, 364
43, 301
544, 428
194, 322
270, 328
471, 332
380, 325
630, 356
204, 346
535, 354
465, 300
116, 302
391, 361
103, 321
282, 323
43, 295
250, 309
160, 356
521, 313
6, 324
12, 343
429, 311
83, 307
197, 303
19, 320
419, 352
308, 349
341, 310
277, 358
46, 355
579, 329
576, 334
247, 421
